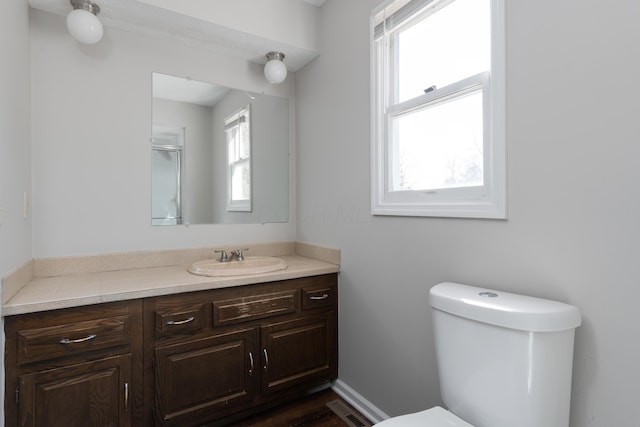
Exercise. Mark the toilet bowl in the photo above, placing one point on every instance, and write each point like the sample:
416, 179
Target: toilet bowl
434, 417
504, 360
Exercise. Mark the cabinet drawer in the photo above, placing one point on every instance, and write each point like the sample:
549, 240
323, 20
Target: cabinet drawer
243, 309
52, 342
185, 321
313, 297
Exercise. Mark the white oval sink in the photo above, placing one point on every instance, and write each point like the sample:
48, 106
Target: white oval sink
250, 265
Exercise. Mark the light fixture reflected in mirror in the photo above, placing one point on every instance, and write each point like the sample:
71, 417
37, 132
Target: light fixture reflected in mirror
83, 23
275, 71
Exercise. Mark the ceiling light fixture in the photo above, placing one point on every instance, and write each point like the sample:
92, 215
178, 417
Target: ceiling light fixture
275, 71
83, 23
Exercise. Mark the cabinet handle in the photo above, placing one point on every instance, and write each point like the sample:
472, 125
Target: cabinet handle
181, 322
324, 296
126, 397
250, 364
266, 360
68, 341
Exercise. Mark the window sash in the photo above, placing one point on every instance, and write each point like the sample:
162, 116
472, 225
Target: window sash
238, 193
473, 85
454, 91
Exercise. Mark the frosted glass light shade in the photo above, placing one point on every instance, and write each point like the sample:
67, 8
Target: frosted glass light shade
275, 71
84, 26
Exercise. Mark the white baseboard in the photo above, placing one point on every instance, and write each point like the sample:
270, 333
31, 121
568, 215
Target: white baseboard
355, 399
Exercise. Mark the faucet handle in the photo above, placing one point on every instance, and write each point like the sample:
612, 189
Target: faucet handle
238, 253
223, 255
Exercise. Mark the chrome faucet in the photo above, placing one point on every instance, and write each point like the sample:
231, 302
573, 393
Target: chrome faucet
223, 255
238, 254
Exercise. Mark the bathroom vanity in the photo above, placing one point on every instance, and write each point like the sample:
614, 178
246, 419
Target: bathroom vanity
217, 352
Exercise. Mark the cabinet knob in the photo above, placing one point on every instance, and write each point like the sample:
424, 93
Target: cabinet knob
266, 360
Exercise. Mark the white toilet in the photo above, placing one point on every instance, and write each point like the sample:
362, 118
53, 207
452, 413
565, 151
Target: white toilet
504, 360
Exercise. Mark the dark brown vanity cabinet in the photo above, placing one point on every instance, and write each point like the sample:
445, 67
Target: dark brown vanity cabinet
191, 359
75, 367
214, 356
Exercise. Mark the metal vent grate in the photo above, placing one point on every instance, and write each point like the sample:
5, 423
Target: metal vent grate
347, 414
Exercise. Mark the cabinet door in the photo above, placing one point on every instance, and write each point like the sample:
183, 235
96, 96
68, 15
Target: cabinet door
298, 351
205, 378
92, 394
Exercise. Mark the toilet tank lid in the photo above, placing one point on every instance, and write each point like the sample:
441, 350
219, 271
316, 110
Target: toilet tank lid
504, 309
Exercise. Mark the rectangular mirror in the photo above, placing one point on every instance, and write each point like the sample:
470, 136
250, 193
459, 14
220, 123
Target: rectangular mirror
219, 155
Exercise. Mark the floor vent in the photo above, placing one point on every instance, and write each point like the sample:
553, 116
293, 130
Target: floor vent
347, 414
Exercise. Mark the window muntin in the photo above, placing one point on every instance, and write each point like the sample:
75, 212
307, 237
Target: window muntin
439, 151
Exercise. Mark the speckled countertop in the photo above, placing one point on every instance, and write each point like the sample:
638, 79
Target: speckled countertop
49, 293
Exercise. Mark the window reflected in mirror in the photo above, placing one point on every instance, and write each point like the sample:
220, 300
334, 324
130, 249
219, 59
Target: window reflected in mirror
238, 130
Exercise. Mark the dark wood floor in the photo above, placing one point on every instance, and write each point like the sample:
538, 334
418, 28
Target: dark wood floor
310, 411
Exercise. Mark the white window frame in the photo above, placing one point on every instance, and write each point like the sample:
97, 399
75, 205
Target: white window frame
486, 201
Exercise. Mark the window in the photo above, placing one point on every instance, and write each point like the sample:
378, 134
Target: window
438, 138
238, 131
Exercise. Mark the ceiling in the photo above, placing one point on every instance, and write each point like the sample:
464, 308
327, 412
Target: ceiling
187, 90
141, 18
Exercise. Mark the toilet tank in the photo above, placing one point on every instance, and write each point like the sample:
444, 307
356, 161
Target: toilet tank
504, 360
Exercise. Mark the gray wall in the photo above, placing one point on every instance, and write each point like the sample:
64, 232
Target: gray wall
91, 124
15, 134
15, 146
572, 232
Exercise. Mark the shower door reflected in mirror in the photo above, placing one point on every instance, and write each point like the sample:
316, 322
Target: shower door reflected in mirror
166, 194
